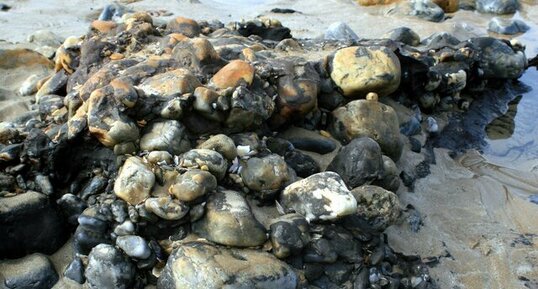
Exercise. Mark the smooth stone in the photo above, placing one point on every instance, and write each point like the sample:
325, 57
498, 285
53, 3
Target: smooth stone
427, 9
318, 145
75, 270
134, 246
248, 109
167, 208
134, 182
29, 223
320, 250
340, 31
222, 144
95, 186
497, 6
303, 164
109, 268
289, 234
205, 159
201, 265
266, 175
507, 26
359, 70
372, 119
229, 221
375, 2
29, 86
235, 73
170, 83
84, 240
359, 162
125, 228
52, 86
404, 35
448, 6
34, 271
185, 26
192, 185
379, 207
96, 223
156, 157
169, 135
389, 179
111, 12
498, 60
323, 196
45, 38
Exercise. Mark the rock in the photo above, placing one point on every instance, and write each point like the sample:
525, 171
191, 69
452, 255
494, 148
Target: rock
248, 109
84, 240
29, 86
359, 162
323, 196
235, 73
45, 38
404, 35
205, 159
134, 246
390, 176
498, 60
125, 228
134, 182
178, 81
340, 31
379, 207
320, 145
359, 70
289, 235
264, 30
192, 185
34, 271
167, 208
111, 12
266, 175
7, 182
448, 6
109, 268
497, 6
303, 164
29, 223
210, 104
169, 135
200, 265
185, 26
229, 221
320, 250
372, 119
507, 26
375, 2
222, 144
75, 270
426, 9
53, 85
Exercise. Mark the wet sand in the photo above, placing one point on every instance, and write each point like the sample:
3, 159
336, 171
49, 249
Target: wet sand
476, 216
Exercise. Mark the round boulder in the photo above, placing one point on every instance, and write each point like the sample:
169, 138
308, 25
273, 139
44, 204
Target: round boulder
359, 70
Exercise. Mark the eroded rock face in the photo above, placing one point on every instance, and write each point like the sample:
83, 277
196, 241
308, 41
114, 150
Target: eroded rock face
167, 136
359, 70
229, 221
200, 265
378, 207
359, 162
372, 119
134, 182
322, 196
109, 268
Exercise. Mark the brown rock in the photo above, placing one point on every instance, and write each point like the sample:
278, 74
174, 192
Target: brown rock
375, 2
134, 182
177, 81
103, 26
185, 26
235, 73
449, 6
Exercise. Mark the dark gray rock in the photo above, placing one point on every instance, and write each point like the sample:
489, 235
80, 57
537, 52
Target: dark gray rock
498, 59
31, 272
303, 164
75, 270
71, 207
404, 35
426, 9
497, 6
507, 26
29, 223
358, 162
289, 235
109, 268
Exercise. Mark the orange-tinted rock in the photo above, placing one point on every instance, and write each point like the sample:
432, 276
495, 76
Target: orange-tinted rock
235, 73
185, 26
376, 2
198, 54
177, 81
103, 26
449, 6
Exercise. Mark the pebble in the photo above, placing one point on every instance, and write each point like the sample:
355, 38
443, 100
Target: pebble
222, 144
349, 74
322, 196
75, 270
125, 228
33, 271
169, 135
134, 182
265, 176
379, 207
340, 31
134, 246
167, 208
289, 234
229, 221
192, 185
109, 268
205, 158
507, 26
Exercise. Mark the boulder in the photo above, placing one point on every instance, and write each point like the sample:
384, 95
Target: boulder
134, 182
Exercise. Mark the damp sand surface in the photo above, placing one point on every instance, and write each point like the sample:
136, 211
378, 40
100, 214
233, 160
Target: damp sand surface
477, 219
